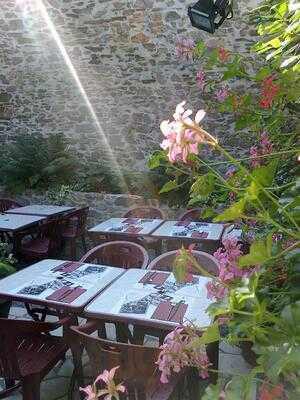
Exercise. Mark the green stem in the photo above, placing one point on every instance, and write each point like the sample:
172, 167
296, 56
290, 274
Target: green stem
266, 192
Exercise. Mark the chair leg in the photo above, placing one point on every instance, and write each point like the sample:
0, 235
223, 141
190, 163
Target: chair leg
212, 350
36, 389
84, 243
138, 335
31, 388
73, 249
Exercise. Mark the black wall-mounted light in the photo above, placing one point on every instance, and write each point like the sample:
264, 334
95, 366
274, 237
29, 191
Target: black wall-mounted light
208, 15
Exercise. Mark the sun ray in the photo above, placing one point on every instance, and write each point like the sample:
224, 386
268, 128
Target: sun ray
60, 45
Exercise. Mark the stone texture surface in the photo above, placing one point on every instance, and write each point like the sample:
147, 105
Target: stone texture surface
104, 72
102, 205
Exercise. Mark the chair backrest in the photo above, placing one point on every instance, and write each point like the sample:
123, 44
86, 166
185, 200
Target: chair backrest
191, 215
51, 230
15, 335
76, 220
144, 212
165, 262
137, 363
118, 254
6, 204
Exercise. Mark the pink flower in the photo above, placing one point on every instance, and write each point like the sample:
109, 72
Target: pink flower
200, 79
183, 135
185, 48
230, 172
265, 147
216, 290
269, 91
222, 94
90, 392
177, 353
223, 55
111, 391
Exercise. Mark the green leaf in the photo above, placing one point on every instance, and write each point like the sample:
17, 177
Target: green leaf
203, 186
263, 73
199, 49
213, 392
258, 254
6, 269
210, 335
233, 212
155, 159
171, 185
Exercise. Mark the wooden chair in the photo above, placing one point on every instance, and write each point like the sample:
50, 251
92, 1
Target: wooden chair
144, 212
193, 214
7, 204
137, 369
74, 227
118, 254
165, 262
147, 212
38, 243
28, 353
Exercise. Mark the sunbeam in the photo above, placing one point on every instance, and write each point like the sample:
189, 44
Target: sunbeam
44, 13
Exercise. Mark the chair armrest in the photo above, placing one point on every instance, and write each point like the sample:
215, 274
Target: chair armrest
34, 327
89, 327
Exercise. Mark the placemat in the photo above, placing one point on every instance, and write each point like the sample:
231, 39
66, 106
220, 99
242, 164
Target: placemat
166, 311
155, 278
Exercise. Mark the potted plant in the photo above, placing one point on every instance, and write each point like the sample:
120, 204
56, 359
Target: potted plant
6, 268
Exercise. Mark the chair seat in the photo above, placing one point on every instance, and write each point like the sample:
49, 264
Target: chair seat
37, 246
69, 232
36, 353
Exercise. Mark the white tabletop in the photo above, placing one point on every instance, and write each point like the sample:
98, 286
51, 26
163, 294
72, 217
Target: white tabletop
231, 232
14, 222
127, 289
169, 230
40, 209
39, 274
118, 226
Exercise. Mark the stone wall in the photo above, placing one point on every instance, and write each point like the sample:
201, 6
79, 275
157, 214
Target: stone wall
104, 72
102, 205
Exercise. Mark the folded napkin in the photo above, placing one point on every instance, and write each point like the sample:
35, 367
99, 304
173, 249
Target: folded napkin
155, 278
68, 266
133, 229
166, 311
199, 235
182, 223
131, 221
66, 294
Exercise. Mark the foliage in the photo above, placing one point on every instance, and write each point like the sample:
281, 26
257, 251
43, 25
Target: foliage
35, 162
6, 261
278, 22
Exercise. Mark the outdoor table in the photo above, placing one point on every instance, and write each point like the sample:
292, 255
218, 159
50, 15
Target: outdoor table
190, 231
131, 301
127, 227
12, 223
41, 209
232, 232
69, 289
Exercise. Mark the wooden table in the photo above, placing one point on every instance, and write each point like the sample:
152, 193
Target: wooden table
41, 209
108, 305
12, 223
177, 230
125, 227
36, 282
